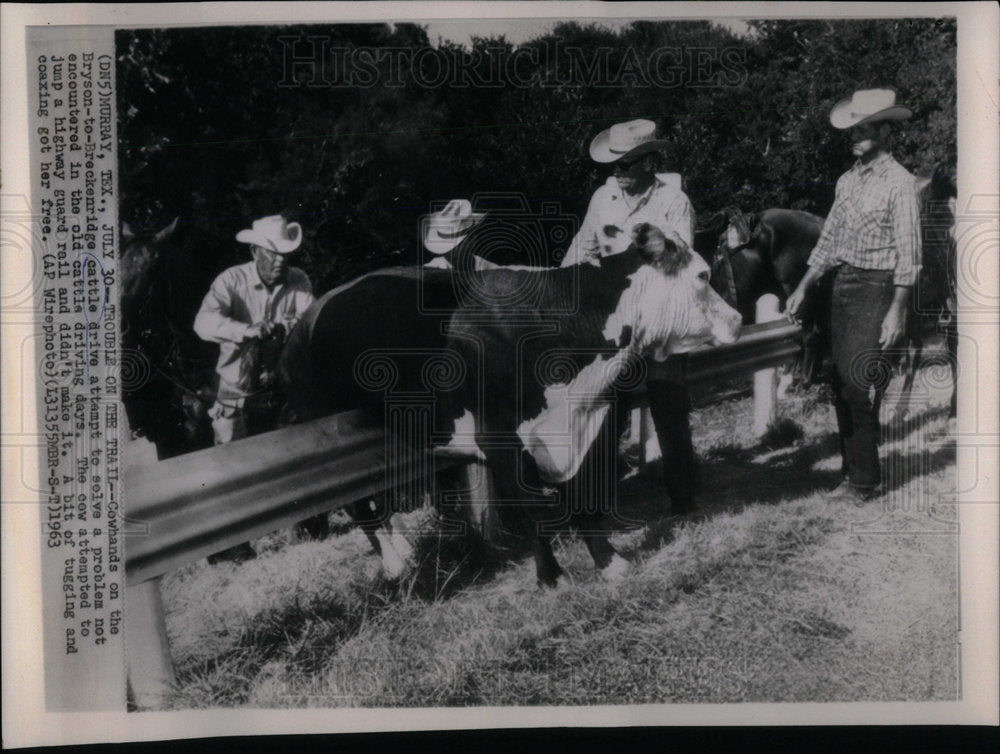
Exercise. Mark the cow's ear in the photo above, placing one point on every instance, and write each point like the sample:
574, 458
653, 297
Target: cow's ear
651, 242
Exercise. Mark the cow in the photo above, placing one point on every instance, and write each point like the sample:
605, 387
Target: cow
544, 381
542, 358
354, 348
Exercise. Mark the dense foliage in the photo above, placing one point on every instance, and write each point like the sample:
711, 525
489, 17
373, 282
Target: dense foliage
220, 125
215, 128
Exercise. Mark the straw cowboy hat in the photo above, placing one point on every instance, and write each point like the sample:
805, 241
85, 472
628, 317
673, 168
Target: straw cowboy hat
273, 233
868, 106
626, 141
444, 230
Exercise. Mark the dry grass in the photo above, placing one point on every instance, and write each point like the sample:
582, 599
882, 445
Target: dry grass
769, 593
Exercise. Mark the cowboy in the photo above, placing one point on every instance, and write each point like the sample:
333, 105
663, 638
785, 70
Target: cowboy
248, 311
634, 194
637, 193
871, 240
448, 235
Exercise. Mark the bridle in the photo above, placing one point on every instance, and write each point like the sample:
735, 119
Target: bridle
723, 257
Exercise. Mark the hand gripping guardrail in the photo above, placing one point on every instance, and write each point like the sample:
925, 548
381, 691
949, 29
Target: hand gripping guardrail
202, 502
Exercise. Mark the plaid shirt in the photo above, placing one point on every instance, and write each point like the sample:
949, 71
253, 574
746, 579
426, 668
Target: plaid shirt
874, 223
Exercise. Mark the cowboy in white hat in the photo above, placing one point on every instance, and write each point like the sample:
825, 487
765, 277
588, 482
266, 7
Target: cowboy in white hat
871, 240
247, 306
446, 232
634, 194
247, 311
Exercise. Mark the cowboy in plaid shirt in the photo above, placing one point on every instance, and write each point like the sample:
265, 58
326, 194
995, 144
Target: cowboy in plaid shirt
872, 239
874, 223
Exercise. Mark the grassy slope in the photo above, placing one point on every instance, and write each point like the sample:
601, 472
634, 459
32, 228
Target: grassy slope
770, 593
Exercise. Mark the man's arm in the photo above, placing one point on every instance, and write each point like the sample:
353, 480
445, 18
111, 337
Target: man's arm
906, 231
906, 226
585, 244
822, 257
895, 319
213, 321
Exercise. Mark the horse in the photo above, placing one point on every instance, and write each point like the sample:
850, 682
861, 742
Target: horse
769, 253
167, 371
935, 302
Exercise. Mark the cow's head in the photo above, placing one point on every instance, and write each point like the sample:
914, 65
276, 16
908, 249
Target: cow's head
670, 306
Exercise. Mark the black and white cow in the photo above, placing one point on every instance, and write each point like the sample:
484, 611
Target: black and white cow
526, 368
376, 343
543, 378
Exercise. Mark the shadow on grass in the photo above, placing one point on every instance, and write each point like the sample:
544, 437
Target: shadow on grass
732, 477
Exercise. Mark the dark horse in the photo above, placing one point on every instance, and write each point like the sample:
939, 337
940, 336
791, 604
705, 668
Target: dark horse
935, 302
756, 254
768, 253
167, 371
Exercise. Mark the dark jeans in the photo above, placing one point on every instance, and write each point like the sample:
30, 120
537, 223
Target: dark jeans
670, 406
861, 373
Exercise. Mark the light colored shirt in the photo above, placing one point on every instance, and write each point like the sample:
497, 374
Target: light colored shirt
238, 299
607, 226
874, 223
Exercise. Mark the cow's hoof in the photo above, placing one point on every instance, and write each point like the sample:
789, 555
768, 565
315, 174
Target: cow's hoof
397, 554
553, 581
403, 548
394, 569
616, 569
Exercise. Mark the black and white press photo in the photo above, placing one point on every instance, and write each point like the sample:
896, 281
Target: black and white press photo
583, 255
573, 365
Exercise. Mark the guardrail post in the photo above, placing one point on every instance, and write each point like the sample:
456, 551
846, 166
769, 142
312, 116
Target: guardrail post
765, 384
151, 674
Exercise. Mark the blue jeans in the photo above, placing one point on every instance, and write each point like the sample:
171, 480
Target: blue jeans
861, 373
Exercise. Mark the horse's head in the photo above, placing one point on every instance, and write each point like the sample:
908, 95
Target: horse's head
739, 228
169, 367
141, 258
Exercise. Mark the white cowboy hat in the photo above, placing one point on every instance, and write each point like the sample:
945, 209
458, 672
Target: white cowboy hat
868, 106
273, 233
625, 141
444, 230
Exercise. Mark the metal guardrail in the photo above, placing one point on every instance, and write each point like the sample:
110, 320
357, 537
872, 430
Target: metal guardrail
202, 502
762, 346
